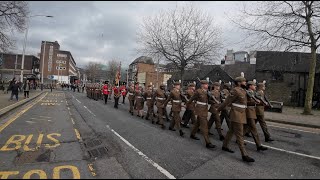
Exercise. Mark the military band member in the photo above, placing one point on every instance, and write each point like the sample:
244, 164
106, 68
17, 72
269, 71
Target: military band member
238, 99
260, 111
176, 99
131, 98
201, 110
225, 112
139, 102
189, 113
215, 101
251, 115
160, 98
123, 90
105, 90
116, 95
148, 95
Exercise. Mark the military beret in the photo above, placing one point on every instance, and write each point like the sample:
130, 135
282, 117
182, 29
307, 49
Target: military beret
106, 82
162, 85
216, 84
226, 85
176, 83
204, 82
191, 85
137, 83
240, 79
149, 85
251, 83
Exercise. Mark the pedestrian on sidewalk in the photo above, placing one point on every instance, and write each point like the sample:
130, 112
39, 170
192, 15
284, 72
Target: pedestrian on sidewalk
15, 90
26, 88
51, 87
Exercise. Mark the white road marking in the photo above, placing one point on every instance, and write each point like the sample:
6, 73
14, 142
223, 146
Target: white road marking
68, 108
283, 150
31, 122
78, 101
154, 164
293, 129
72, 121
89, 110
45, 117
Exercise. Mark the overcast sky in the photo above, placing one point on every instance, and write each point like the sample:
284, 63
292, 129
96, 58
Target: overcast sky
100, 31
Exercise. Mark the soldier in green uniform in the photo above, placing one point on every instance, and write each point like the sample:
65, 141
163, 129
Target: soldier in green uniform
175, 96
225, 112
131, 98
189, 113
238, 101
201, 110
148, 96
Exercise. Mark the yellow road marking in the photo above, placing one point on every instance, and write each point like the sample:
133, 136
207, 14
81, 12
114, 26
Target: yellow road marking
92, 170
19, 114
77, 134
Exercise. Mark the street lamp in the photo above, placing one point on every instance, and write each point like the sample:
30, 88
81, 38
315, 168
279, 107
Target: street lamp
25, 42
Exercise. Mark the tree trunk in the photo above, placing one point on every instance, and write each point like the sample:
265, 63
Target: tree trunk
309, 94
181, 76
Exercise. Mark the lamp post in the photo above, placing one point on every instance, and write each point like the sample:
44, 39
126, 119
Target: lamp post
24, 45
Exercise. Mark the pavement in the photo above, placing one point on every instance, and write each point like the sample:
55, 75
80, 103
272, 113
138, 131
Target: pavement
64, 134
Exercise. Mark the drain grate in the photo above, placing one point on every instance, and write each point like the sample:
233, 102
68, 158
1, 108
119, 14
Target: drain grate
93, 143
99, 152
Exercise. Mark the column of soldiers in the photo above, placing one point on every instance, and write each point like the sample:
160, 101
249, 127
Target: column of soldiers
242, 107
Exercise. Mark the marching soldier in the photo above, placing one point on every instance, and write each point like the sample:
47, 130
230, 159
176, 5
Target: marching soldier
88, 90
160, 98
110, 91
260, 111
105, 90
189, 113
116, 95
175, 96
96, 91
238, 99
215, 101
201, 110
131, 98
251, 115
139, 102
123, 90
225, 111
148, 95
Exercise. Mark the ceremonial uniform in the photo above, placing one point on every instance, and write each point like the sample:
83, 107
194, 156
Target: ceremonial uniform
123, 90
148, 95
189, 113
260, 113
225, 111
160, 97
201, 110
139, 101
238, 99
131, 99
116, 95
215, 117
105, 90
175, 98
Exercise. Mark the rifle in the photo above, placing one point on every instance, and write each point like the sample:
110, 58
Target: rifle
258, 95
211, 96
252, 96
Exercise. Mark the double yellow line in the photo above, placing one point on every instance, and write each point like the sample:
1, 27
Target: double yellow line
2, 127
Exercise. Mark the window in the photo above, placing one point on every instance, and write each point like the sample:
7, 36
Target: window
61, 68
277, 76
62, 55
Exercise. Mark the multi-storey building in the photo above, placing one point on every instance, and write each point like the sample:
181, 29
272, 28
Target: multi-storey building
57, 64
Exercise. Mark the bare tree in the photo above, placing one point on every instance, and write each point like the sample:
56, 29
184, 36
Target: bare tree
13, 16
113, 66
182, 36
92, 70
286, 25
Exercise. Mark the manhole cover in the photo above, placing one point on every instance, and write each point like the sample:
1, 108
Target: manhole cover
33, 157
99, 152
93, 143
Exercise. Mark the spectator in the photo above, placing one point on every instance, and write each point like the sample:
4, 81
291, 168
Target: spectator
26, 88
15, 90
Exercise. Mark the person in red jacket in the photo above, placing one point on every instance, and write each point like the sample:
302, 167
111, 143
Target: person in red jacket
105, 91
116, 95
123, 91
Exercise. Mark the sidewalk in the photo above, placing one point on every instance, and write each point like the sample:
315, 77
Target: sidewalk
293, 116
6, 105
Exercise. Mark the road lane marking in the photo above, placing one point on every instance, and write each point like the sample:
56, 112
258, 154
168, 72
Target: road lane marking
31, 122
89, 110
72, 121
287, 151
154, 164
78, 101
293, 129
92, 170
77, 134
2, 127
45, 117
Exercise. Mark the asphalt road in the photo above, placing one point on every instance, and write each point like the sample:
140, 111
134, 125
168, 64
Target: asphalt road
135, 148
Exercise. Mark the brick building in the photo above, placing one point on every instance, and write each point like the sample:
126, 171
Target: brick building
147, 73
10, 66
59, 65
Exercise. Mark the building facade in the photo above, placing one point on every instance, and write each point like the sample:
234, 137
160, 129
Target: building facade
57, 64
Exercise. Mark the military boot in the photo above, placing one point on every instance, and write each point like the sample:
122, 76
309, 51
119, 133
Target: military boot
262, 148
194, 137
181, 133
247, 159
221, 137
210, 146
